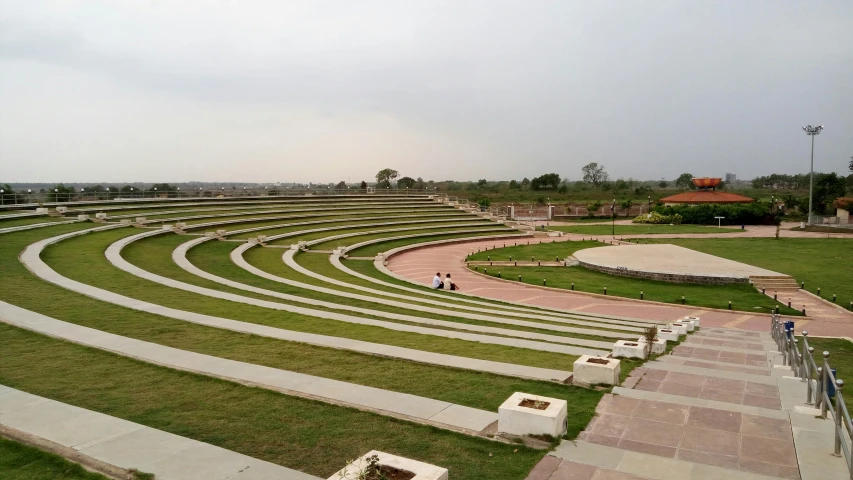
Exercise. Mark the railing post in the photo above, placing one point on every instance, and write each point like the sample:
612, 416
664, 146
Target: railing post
809, 387
803, 358
825, 384
795, 363
838, 420
818, 395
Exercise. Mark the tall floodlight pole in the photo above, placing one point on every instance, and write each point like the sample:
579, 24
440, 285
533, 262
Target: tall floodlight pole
811, 131
613, 216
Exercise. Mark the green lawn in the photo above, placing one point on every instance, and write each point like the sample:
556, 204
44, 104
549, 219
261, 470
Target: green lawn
840, 357
22, 462
376, 248
640, 229
306, 435
30, 221
546, 251
825, 263
743, 297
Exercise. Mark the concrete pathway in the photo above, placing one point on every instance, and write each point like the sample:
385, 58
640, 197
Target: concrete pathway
108, 443
385, 402
31, 259
20, 228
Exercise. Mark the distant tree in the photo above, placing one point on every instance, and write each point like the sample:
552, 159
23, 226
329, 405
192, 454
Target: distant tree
626, 205
481, 183
644, 190
513, 185
59, 193
342, 185
549, 181
126, 189
406, 182
525, 182
163, 187
621, 185
563, 188
790, 201
662, 184
363, 185
828, 187
385, 177
420, 184
685, 180
594, 174
850, 165
606, 186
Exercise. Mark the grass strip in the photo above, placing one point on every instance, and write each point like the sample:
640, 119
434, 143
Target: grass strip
546, 251
23, 462
744, 297
305, 435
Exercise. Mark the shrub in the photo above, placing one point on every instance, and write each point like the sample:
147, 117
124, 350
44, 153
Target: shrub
735, 213
658, 219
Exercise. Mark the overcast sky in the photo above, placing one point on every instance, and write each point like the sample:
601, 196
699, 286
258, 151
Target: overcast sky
180, 90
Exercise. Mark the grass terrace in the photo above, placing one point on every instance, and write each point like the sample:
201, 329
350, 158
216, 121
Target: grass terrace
23, 462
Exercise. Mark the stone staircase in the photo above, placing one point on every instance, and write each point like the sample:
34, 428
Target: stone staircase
772, 283
719, 407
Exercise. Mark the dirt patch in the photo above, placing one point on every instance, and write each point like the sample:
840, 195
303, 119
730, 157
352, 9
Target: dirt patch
600, 361
390, 473
535, 404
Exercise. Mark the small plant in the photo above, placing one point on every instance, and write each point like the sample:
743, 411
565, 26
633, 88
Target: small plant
650, 335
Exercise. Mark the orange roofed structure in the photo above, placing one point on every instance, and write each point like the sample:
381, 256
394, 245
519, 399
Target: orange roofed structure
706, 193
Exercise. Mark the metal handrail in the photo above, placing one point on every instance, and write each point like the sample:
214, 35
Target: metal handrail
817, 382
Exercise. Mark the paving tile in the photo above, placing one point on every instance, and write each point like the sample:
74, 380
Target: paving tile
726, 384
710, 441
762, 402
654, 466
765, 427
725, 461
721, 395
602, 439
648, 385
616, 475
774, 470
778, 451
611, 425
655, 374
662, 412
714, 419
685, 378
547, 466
657, 433
641, 447
568, 470
621, 405
760, 389
680, 389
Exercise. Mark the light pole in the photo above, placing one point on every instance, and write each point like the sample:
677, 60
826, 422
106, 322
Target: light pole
650, 204
613, 217
811, 131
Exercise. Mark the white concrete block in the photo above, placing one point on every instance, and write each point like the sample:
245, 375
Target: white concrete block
689, 323
168, 228
658, 347
628, 349
221, 232
82, 217
262, 238
101, 216
679, 327
422, 471
696, 320
294, 247
125, 221
555, 234
210, 234
668, 334
181, 225
590, 370
42, 210
140, 220
62, 209
538, 416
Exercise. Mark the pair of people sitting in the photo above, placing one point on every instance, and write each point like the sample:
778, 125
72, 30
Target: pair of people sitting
446, 284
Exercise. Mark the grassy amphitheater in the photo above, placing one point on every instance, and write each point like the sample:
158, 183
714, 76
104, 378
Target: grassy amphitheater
262, 326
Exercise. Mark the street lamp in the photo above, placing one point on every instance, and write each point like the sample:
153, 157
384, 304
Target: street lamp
613, 216
811, 131
650, 204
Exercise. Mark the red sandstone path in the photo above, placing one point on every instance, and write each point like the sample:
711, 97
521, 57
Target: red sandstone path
420, 266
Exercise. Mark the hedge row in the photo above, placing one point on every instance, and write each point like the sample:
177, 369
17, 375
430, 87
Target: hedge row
734, 213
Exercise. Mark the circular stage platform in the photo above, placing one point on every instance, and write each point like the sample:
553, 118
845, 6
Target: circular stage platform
669, 263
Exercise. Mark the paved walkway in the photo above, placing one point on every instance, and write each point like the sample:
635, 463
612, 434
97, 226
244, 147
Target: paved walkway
20, 228
385, 402
101, 439
418, 266
696, 421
